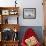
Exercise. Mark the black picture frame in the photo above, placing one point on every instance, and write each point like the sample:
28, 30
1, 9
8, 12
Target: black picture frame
29, 13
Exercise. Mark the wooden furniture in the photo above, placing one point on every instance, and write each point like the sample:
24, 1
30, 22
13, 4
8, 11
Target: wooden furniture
0, 43
45, 37
5, 13
44, 8
10, 43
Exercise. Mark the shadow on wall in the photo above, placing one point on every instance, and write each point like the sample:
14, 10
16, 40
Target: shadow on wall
37, 29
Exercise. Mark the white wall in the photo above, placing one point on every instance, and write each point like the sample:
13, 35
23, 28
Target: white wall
39, 13
27, 4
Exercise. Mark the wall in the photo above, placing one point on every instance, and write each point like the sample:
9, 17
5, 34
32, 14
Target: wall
27, 4
36, 23
39, 13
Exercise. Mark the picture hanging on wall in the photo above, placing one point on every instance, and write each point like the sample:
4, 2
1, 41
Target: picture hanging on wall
29, 13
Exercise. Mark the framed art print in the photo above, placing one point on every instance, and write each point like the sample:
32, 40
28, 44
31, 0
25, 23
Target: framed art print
5, 12
29, 13
13, 20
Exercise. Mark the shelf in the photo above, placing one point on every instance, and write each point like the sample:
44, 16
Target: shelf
8, 8
7, 16
10, 26
7, 12
11, 41
10, 19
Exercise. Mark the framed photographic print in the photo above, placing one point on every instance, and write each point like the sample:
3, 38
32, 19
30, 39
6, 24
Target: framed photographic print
5, 12
13, 20
13, 12
29, 13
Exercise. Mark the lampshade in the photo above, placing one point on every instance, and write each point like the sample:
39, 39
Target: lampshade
15, 30
15, 3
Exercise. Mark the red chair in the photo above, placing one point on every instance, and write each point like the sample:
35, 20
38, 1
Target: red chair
29, 33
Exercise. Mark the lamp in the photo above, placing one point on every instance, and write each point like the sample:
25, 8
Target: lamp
15, 37
15, 3
15, 30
